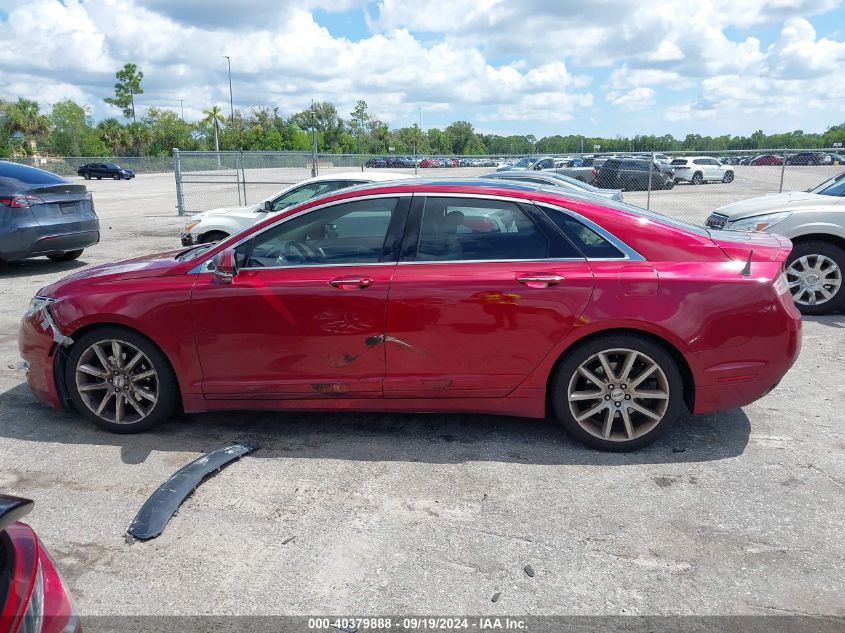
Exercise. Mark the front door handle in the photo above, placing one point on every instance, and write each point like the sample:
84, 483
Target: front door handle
539, 281
351, 283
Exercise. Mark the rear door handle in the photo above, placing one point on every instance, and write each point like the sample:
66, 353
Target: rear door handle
351, 283
539, 281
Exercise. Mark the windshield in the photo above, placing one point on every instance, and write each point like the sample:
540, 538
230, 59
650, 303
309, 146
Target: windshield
193, 253
832, 187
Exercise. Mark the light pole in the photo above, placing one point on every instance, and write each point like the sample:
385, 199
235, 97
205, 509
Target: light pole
182, 108
231, 103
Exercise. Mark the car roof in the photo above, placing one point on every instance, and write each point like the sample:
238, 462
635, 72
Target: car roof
373, 176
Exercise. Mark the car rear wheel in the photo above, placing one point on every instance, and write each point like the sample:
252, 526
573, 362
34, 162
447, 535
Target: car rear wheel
618, 392
814, 275
697, 178
66, 257
669, 184
86, 176
728, 177
120, 381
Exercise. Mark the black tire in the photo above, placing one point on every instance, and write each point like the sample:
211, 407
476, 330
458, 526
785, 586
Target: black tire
69, 256
86, 176
116, 176
812, 249
213, 236
728, 177
168, 388
99, 178
566, 372
697, 178
669, 184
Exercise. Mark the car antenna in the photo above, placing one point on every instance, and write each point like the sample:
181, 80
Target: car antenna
746, 270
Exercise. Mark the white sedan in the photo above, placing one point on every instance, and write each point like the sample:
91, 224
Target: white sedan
700, 169
218, 224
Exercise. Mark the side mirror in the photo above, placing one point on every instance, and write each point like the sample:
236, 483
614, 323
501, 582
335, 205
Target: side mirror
268, 206
225, 266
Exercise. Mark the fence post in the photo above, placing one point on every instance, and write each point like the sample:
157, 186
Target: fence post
243, 177
177, 170
782, 170
650, 170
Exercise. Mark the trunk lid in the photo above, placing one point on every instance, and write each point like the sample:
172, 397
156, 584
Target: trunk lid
763, 247
62, 202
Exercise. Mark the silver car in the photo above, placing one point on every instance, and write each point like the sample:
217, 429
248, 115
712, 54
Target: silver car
556, 180
815, 222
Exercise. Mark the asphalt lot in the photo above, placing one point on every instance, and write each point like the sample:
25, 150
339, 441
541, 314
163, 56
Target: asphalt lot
735, 513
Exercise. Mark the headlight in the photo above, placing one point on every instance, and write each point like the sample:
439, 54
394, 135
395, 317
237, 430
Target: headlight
759, 222
37, 303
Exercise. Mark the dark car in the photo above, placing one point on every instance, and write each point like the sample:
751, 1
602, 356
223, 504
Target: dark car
632, 174
33, 596
805, 158
104, 170
44, 214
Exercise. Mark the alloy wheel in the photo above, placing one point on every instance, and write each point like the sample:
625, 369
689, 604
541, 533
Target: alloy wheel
117, 381
618, 395
813, 279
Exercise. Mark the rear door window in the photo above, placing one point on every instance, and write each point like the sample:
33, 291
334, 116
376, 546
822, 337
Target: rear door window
590, 243
464, 229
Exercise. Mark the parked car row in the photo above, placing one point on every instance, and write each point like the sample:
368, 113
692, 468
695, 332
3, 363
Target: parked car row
405, 162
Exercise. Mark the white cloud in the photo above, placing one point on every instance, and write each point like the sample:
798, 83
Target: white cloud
635, 99
480, 60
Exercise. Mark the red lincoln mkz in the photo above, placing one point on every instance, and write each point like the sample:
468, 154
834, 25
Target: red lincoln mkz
465, 295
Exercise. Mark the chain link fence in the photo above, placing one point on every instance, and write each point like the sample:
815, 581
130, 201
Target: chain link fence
67, 165
685, 185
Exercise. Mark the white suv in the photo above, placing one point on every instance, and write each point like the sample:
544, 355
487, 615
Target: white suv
700, 169
218, 224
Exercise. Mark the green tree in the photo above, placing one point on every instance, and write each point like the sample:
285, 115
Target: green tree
167, 130
114, 136
24, 118
128, 85
72, 132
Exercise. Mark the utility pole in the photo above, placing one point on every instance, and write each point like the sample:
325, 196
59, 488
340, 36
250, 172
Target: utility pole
418, 134
231, 102
182, 108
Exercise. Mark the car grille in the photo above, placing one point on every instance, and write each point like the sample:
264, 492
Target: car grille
716, 221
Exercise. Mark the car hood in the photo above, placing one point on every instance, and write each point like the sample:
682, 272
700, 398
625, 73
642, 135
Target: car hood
788, 201
238, 211
155, 265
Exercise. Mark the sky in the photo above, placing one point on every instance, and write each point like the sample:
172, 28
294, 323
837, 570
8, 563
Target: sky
542, 67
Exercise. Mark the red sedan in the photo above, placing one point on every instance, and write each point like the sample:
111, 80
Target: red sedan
429, 296
766, 159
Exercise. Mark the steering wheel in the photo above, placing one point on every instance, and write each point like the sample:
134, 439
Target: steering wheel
295, 248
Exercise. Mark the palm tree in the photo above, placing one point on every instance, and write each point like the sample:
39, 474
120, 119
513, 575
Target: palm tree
114, 135
24, 117
215, 116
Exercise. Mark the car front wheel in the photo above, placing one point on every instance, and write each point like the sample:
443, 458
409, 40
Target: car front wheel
120, 380
618, 392
697, 179
728, 177
814, 275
